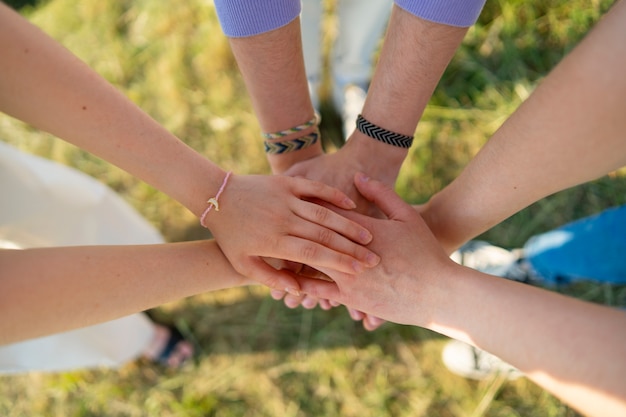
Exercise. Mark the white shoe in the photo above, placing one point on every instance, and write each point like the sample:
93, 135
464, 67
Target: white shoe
353, 101
470, 362
493, 260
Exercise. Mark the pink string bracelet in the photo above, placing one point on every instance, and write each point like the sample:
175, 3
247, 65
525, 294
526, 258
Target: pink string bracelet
213, 201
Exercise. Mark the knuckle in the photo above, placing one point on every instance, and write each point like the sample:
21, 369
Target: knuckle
270, 281
325, 236
318, 187
310, 252
321, 214
245, 270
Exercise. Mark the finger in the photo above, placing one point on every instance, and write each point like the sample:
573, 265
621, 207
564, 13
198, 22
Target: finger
293, 301
277, 263
384, 197
257, 269
301, 250
315, 189
323, 216
294, 267
321, 289
356, 315
371, 323
327, 238
310, 272
309, 302
277, 294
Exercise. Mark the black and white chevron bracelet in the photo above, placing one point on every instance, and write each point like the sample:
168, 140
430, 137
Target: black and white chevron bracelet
291, 145
383, 135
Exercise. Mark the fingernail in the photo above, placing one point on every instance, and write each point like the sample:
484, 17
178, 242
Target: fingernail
372, 259
362, 177
277, 294
292, 291
376, 321
349, 203
365, 236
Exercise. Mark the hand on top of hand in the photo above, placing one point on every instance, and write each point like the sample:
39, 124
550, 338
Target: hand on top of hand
338, 169
399, 288
275, 217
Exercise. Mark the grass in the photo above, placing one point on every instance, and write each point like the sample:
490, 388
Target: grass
258, 358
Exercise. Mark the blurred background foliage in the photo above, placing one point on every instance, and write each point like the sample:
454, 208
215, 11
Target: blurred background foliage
258, 358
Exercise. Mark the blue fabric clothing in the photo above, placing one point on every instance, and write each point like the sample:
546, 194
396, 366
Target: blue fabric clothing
240, 18
592, 248
461, 13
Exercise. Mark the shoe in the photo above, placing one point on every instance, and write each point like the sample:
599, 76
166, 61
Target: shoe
461, 358
169, 348
470, 362
351, 106
493, 260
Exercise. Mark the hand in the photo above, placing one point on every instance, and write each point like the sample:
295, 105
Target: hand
411, 258
334, 169
308, 302
295, 300
359, 154
274, 217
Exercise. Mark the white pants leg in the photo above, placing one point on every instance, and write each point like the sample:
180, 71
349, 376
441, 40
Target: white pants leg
361, 27
311, 27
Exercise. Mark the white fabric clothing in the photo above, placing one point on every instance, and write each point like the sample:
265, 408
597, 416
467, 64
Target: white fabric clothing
360, 27
47, 204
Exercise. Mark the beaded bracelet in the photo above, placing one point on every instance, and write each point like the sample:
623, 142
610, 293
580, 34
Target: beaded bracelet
213, 201
281, 134
291, 145
376, 132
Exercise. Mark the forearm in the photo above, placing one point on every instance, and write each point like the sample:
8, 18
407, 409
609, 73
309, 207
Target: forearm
272, 67
46, 86
44, 291
568, 132
414, 55
572, 348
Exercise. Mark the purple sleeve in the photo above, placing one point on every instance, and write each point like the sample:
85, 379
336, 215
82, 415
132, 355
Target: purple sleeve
462, 13
240, 18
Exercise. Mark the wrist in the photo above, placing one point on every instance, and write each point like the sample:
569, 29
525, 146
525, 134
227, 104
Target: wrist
377, 159
447, 298
279, 163
451, 223
285, 148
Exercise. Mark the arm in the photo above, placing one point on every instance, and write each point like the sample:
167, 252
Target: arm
49, 290
415, 54
570, 130
45, 85
572, 348
272, 66
265, 38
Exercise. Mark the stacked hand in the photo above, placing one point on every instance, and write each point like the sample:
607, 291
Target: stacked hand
377, 292
276, 217
338, 169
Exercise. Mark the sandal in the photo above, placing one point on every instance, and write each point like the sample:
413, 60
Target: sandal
172, 350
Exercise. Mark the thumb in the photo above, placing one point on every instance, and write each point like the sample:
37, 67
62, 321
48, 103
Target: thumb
384, 197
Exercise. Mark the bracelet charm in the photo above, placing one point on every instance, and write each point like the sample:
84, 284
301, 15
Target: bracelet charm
213, 201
